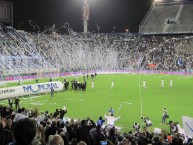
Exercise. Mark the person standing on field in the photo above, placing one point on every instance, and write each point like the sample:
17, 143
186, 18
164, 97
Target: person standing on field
10, 102
171, 84
17, 105
52, 92
92, 86
162, 83
164, 115
112, 84
144, 84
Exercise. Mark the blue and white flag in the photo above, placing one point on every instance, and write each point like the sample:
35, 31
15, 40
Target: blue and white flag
179, 61
187, 123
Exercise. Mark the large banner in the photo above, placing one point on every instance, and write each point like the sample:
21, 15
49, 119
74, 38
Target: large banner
187, 123
30, 89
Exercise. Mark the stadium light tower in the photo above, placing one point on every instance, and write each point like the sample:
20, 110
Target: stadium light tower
85, 15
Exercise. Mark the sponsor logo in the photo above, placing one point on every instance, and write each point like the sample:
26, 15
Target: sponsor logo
39, 87
189, 126
7, 91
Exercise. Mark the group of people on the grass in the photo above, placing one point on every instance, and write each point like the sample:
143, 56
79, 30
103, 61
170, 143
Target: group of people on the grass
76, 85
15, 101
144, 85
30, 127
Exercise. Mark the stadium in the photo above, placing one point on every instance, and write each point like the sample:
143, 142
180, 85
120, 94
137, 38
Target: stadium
91, 88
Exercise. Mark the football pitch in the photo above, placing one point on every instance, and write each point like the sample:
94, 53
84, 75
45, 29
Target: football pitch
127, 98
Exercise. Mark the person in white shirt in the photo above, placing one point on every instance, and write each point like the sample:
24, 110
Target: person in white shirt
112, 84
162, 83
171, 83
92, 86
144, 84
111, 121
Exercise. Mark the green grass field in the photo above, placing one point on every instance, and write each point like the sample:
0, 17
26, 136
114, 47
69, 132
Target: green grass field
94, 103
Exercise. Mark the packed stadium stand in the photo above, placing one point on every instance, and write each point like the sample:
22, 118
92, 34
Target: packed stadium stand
25, 53
30, 53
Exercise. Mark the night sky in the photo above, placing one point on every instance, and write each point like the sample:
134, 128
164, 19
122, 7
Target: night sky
109, 15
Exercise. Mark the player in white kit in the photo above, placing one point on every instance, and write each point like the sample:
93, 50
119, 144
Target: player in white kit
92, 86
112, 84
162, 83
171, 83
144, 84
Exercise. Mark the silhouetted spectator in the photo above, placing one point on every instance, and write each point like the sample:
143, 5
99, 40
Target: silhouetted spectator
24, 132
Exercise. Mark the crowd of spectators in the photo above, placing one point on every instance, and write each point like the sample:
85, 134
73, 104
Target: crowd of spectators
117, 51
78, 51
30, 127
169, 52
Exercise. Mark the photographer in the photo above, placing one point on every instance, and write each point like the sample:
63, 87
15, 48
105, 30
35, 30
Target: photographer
164, 115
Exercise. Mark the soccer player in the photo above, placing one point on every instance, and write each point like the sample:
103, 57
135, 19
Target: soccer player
144, 84
162, 83
92, 86
112, 84
171, 84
